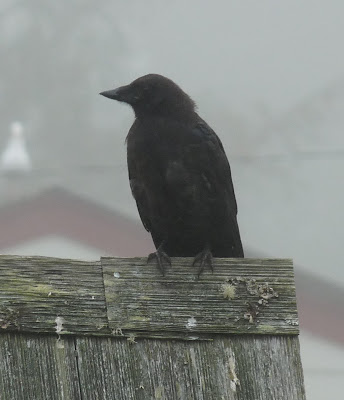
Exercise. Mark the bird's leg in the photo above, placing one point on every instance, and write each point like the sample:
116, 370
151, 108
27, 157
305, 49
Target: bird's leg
203, 259
161, 258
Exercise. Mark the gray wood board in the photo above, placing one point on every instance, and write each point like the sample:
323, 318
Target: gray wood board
251, 296
38, 367
249, 367
124, 296
35, 291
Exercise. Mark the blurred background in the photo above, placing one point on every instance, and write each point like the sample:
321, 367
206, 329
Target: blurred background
267, 76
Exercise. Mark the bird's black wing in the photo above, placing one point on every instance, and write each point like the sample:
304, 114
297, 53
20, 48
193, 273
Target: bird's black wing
146, 181
140, 196
200, 187
200, 170
218, 168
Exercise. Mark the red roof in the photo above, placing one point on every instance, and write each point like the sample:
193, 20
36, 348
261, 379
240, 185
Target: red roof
57, 211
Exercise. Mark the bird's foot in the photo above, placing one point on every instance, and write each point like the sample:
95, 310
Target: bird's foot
203, 259
162, 259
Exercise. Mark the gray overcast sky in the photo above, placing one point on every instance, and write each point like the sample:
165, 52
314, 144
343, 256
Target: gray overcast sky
258, 53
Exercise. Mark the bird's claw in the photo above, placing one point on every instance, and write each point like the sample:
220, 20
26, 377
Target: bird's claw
161, 260
202, 259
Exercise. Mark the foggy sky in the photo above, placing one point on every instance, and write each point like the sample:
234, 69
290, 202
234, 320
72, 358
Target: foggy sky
253, 54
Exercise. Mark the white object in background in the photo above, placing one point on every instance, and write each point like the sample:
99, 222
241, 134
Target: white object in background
15, 157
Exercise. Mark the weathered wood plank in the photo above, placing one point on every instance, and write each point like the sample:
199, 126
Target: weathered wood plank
36, 367
35, 291
42, 294
233, 367
241, 296
236, 367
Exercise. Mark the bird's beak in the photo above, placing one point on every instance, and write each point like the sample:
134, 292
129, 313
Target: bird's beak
123, 93
114, 94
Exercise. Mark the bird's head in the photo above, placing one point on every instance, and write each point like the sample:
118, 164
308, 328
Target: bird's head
154, 95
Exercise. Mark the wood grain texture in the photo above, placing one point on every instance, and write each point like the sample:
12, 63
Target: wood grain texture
250, 367
34, 291
241, 296
36, 367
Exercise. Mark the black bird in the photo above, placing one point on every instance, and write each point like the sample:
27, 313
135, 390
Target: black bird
179, 175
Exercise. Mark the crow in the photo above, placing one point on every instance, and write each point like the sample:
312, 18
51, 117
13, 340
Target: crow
179, 175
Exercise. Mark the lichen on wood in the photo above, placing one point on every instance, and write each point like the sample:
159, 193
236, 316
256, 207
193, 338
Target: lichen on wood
241, 296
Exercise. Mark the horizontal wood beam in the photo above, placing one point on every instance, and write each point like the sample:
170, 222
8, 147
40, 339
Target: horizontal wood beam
127, 297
